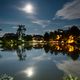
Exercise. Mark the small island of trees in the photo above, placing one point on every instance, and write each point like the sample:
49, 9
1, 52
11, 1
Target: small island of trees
62, 39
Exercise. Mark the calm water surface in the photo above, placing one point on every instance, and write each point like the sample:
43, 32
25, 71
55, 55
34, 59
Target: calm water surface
36, 64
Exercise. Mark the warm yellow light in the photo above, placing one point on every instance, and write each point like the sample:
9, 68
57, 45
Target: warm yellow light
58, 48
58, 37
70, 48
71, 39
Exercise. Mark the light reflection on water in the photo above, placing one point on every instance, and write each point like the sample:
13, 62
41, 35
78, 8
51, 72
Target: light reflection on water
36, 64
29, 72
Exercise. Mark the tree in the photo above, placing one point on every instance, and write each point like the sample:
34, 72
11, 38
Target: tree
46, 36
74, 30
21, 31
28, 38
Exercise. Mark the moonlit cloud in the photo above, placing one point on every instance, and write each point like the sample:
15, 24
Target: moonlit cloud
37, 21
70, 67
70, 10
42, 23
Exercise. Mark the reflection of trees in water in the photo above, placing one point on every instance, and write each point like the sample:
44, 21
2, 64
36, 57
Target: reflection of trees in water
69, 49
70, 77
74, 55
21, 52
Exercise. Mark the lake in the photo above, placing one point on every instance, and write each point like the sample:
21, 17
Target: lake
38, 62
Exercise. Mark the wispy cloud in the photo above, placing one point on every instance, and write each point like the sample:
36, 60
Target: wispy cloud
71, 10
66, 27
69, 67
42, 23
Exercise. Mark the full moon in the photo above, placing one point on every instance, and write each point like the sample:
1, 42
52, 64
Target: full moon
28, 8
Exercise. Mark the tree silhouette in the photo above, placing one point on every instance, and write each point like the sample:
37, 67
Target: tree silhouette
74, 30
21, 31
46, 36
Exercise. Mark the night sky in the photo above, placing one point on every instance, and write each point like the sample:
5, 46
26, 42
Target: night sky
38, 16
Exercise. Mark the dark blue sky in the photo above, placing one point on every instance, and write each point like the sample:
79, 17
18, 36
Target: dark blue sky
47, 15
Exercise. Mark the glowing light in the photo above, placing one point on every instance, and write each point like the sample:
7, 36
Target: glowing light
28, 8
70, 48
58, 48
29, 72
20, 47
58, 37
71, 39
11, 45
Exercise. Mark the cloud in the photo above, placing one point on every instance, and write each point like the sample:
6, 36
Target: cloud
70, 10
70, 67
36, 20
42, 23
68, 26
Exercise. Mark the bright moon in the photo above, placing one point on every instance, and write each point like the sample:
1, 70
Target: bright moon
28, 8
